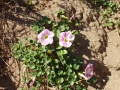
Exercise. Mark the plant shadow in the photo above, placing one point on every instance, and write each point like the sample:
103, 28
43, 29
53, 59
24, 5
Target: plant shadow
81, 49
12, 26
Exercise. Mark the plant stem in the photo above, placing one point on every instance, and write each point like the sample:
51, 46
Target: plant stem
46, 67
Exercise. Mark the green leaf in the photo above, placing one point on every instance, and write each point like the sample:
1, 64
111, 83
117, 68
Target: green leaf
84, 88
33, 59
76, 24
64, 51
64, 73
41, 54
33, 88
57, 32
62, 28
26, 57
76, 32
23, 58
62, 16
62, 12
60, 80
27, 38
69, 70
49, 22
22, 89
67, 88
94, 79
26, 79
41, 22
76, 67
49, 60
88, 82
42, 49
42, 28
74, 76
16, 55
53, 68
50, 50
60, 72
16, 47
67, 78
103, 12
32, 66
59, 87
47, 72
55, 24
22, 44
71, 82
37, 61
36, 28
69, 21
69, 66
42, 80
52, 73
50, 81
37, 84
39, 73
77, 87
56, 61
67, 27
33, 53
59, 47
57, 66
60, 53
63, 62
45, 18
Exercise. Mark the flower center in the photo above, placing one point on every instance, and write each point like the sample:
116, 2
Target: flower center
65, 40
89, 71
45, 36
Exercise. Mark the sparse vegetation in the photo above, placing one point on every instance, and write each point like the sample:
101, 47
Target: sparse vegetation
53, 64
109, 8
66, 50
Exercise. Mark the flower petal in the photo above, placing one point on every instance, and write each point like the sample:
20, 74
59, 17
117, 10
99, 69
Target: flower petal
46, 37
32, 82
84, 77
65, 39
67, 44
89, 71
70, 36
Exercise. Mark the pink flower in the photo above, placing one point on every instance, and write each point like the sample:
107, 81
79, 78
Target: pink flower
88, 72
46, 37
32, 82
65, 39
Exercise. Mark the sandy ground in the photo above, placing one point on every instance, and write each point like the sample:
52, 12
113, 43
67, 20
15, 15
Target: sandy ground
96, 44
